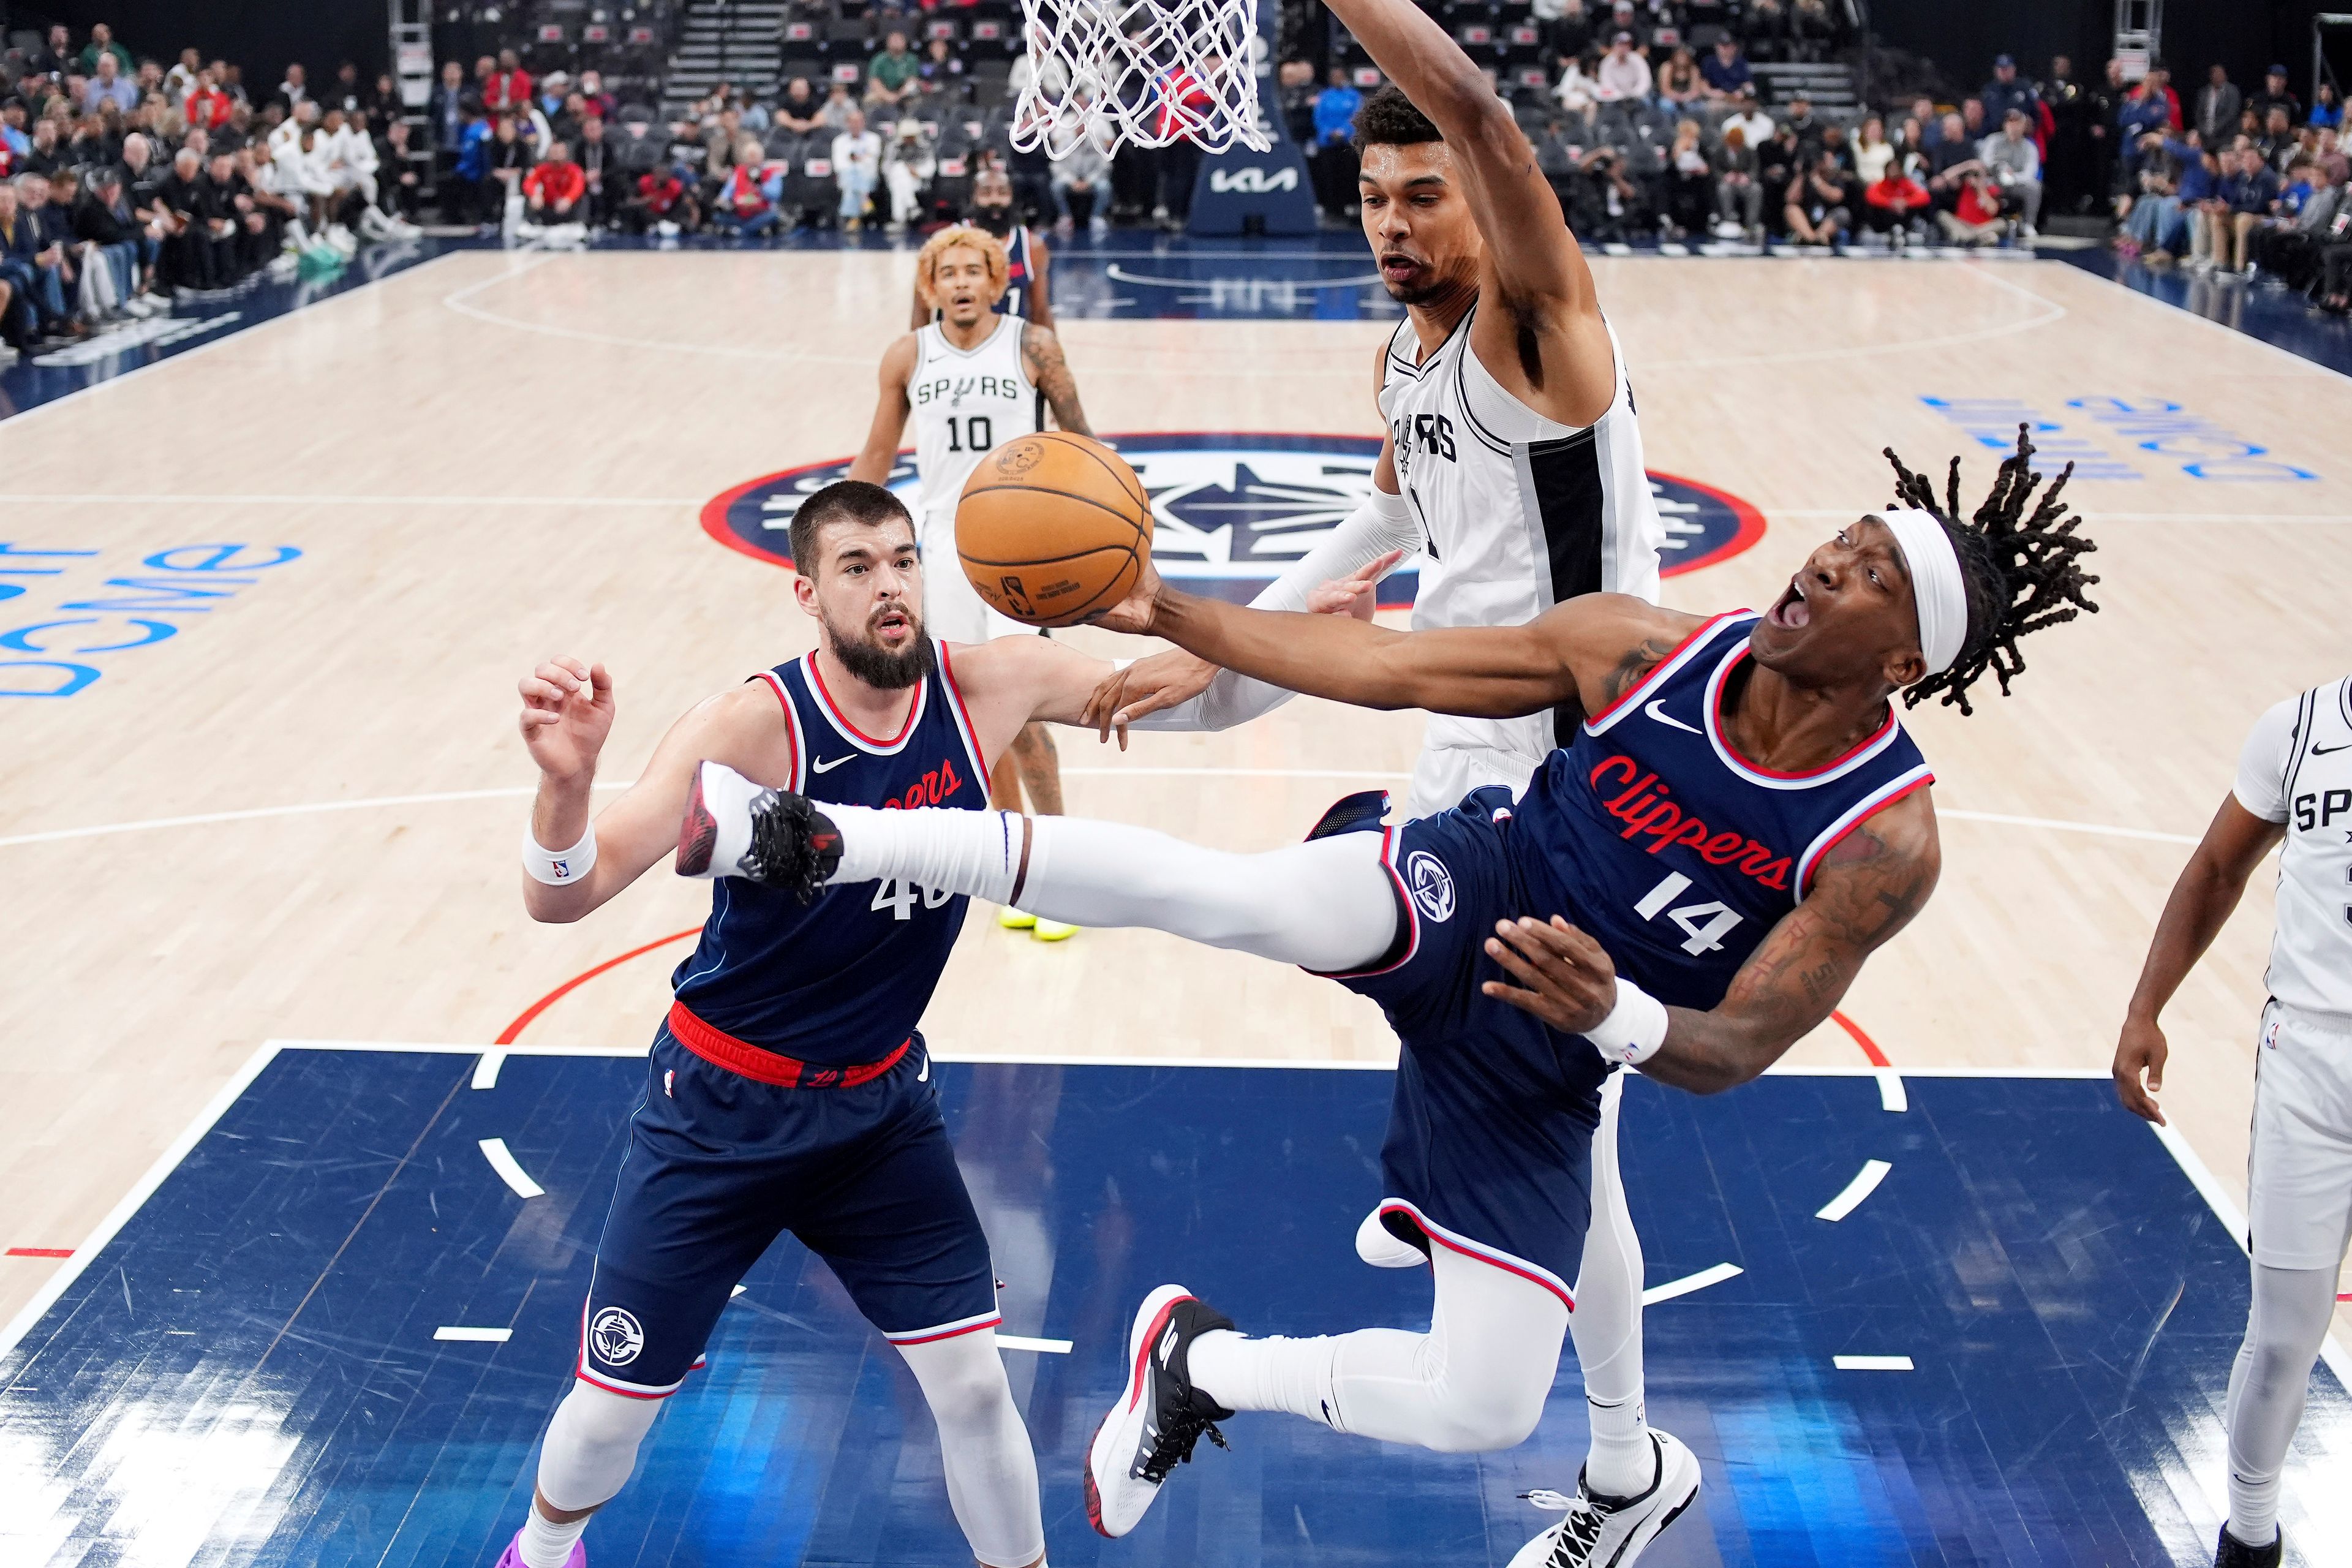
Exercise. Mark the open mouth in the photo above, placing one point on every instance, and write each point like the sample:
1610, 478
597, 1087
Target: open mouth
1793, 611
1395, 269
892, 624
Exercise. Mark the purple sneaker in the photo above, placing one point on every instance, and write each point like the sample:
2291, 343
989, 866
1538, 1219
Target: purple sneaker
513, 1556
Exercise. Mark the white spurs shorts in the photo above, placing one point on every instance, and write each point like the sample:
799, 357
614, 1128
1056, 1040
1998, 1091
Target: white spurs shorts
953, 610
2299, 1171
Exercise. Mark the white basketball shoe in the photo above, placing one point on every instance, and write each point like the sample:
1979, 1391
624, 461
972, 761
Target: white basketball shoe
1159, 1415
1603, 1531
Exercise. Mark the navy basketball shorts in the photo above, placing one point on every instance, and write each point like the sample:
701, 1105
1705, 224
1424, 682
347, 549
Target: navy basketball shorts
1489, 1147
718, 1165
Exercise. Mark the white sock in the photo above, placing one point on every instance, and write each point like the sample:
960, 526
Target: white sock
1273, 1373
545, 1543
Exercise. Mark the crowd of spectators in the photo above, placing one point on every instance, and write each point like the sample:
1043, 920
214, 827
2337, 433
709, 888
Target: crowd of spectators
125, 183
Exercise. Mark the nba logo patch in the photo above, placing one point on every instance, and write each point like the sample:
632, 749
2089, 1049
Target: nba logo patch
2270, 1036
669, 1083
1430, 883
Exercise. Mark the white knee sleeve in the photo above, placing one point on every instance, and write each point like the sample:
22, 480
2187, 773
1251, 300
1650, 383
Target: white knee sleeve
2285, 1327
991, 1470
592, 1445
1607, 1322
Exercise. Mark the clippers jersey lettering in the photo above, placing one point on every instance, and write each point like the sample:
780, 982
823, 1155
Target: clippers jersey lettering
1519, 512
1019, 276
844, 980
1676, 854
965, 402
2297, 770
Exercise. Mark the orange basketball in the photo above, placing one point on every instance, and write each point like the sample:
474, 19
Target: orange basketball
1053, 528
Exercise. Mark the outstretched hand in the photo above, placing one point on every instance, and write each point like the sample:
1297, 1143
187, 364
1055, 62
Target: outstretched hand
1134, 613
1570, 982
1357, 594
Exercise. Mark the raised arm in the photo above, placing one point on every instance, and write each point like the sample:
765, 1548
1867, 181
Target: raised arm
1865, 889
1041, 358
1567, 654
1530, 255
880, 454
1039, 306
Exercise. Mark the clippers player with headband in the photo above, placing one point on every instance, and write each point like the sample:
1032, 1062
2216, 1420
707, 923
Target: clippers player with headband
1513, 463
1689, 884
2292, 793
972, 379
788, 1088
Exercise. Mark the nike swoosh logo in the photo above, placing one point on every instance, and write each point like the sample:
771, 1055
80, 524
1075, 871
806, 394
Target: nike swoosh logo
924, 1075
1657, 710
2326, 750
828, 767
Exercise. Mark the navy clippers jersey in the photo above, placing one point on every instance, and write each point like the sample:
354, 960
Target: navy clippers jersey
844, 980
1017, 279
1676, 853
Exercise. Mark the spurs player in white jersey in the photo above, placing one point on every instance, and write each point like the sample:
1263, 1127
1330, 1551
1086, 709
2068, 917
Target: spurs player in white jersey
2293, 792
1512, 461
972, 379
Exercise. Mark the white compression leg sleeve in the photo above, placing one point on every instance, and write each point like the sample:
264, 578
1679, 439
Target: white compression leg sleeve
589, 1449
1475, 1382
1607, 1322
1325, 904
991, 1470
2285, 1330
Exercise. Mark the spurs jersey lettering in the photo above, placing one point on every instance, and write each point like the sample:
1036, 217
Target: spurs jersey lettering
1672, 851
845, 979
966, 401
2296, 769
1519, 512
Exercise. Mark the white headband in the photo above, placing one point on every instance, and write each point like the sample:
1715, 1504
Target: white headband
1936, 584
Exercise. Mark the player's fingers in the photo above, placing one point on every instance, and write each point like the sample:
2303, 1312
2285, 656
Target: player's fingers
1515, 964
534, 689
601, 680
1525, 1001
1587, 952
556, 675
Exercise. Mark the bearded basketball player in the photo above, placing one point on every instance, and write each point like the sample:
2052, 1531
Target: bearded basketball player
1512, 460
1027, 280
2293, 789
1688, 887
974, 378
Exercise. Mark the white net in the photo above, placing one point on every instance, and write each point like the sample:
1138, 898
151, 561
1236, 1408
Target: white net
1147, 72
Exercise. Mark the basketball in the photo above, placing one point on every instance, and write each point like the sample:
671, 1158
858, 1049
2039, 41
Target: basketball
1053, 528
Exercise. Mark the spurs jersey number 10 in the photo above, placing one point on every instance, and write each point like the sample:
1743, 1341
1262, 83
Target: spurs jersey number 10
965, 402
1519, 511
2296, 769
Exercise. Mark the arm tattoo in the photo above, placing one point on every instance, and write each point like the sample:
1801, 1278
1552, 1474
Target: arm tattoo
1635, 666
1051, 372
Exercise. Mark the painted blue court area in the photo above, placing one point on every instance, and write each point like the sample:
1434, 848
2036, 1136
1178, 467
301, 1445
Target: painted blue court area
248, 1372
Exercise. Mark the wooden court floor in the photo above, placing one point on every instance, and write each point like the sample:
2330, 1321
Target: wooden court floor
492, 458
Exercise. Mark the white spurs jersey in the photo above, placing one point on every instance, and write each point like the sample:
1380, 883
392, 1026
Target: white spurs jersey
1518, 512
2296, 769
966, 401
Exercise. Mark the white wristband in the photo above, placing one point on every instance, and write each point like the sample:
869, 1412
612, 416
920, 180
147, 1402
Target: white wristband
562, 867
1634, 1029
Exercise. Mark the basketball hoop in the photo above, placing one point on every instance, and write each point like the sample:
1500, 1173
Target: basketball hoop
1149, 72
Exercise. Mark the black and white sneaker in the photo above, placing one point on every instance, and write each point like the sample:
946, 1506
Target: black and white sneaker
2231, 1552
734, 827
1159, 1416
1603, 1532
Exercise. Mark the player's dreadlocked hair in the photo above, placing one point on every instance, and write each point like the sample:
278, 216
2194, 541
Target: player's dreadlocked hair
2022, 572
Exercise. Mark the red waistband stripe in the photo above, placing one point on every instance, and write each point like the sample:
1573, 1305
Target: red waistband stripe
761, 1066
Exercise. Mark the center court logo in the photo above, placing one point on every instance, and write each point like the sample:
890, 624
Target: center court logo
1430, 884
616, 1338
1231, 511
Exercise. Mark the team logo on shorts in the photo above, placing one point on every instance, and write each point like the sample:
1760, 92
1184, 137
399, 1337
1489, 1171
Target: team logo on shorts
1430, 883
1230, 511
614, 1337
